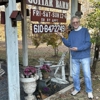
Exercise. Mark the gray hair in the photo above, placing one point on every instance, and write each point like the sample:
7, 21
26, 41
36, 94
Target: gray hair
75, 17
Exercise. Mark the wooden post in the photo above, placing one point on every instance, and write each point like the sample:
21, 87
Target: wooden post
24, 33
12, 54
74, 8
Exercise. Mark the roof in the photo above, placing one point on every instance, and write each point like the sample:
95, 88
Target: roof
14, 14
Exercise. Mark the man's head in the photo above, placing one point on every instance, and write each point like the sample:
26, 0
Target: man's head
75, 22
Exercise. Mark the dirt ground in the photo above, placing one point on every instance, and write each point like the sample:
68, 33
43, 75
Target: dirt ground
47, 52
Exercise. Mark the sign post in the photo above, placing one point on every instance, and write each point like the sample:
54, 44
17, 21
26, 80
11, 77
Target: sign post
24, 34
74, 6
12, 54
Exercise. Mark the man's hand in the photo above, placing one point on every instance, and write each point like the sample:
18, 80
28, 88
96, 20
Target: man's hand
74, 48
60, 34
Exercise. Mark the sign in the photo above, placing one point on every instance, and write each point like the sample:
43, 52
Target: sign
58, 4
2, 2
2, 17
47, 28
47, 16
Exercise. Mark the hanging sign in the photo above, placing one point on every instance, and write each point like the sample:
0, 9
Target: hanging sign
2, 2
47, 16
2, 17
58, 4
47, 28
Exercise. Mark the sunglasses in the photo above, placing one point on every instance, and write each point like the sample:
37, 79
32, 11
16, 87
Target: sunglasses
75, 22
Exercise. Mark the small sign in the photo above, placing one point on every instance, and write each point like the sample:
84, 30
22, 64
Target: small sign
2, 2
58, 4
2, 17
47, 28
47, 16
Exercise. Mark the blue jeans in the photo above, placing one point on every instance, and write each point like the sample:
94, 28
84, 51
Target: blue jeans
86, 71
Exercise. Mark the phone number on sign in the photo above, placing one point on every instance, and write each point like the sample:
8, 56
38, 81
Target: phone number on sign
40, 28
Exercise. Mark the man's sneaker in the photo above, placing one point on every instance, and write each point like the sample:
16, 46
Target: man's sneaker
75, 92
90, 95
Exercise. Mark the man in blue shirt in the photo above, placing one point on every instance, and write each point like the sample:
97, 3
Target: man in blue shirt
79, 44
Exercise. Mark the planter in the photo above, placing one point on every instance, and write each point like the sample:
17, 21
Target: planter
29, 85
45, 75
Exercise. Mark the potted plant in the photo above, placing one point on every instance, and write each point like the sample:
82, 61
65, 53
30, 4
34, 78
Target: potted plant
29, 78
45, 69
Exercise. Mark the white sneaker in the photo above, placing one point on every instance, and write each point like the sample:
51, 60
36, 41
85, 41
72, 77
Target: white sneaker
90, 95
75, 92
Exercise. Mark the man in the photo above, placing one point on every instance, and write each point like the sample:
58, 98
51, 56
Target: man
79, 44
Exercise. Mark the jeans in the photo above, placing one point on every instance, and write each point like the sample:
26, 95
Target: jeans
85, 62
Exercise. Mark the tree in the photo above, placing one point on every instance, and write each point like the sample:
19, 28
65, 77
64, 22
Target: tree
93, 23
48, 38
